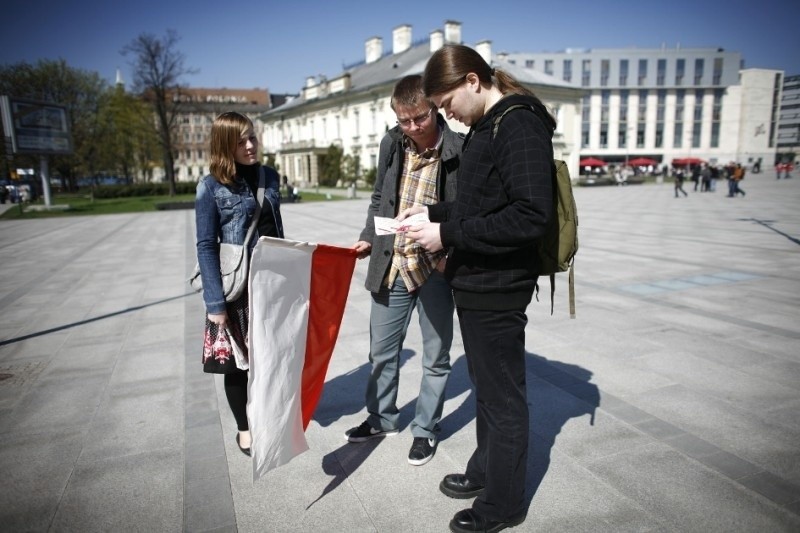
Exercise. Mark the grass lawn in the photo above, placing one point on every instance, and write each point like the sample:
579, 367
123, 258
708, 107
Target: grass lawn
81, 204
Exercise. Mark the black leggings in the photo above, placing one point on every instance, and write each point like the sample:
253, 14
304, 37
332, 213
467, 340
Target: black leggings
236, 391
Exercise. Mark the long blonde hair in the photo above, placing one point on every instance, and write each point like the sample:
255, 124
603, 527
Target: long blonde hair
226, 132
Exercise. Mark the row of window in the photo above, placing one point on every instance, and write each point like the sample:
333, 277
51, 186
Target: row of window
640, 124
641, 72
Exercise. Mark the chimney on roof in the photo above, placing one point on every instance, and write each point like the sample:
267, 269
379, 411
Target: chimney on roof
401, 38
374, 49
452, 32
437, 40
484, 48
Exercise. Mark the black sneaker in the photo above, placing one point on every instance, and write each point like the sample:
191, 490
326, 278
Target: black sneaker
366, 432
422, 451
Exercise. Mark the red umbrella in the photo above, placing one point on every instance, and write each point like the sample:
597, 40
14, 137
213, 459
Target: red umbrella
592, 162
687, 161
642, 162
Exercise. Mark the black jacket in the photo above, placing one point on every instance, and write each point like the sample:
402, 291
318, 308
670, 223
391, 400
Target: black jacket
504, 203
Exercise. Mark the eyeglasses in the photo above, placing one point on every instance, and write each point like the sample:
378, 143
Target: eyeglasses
419, 121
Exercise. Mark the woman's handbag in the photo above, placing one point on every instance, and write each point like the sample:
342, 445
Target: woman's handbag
234, 259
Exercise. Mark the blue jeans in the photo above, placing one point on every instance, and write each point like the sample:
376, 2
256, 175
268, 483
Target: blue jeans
390, 316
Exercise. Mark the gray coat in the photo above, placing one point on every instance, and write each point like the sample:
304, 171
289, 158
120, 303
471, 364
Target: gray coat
384, 197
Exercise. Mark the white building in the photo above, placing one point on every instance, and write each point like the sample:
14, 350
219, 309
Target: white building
789, 123
667, 103
352, 110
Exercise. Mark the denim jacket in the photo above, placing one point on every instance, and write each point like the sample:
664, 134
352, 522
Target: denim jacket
223, 214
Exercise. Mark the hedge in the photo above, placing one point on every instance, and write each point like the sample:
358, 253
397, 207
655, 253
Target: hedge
143, 189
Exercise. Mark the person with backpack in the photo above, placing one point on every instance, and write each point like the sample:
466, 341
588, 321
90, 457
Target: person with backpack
503, 206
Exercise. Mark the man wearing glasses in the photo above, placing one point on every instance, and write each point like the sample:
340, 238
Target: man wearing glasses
417, 165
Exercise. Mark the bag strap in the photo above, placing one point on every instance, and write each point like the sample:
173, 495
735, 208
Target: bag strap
262, 181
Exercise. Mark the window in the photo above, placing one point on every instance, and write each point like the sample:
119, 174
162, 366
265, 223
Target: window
678, 140
697, 124
640, 136
715, 135
623, 104
699, 64
698, 104
567, 70
529, 63
680, 70
548, 66
585, 123
717, 71
661, 71
661, 106
623, 119
642, 71
623, 72
603, 138
605, 65
586, 72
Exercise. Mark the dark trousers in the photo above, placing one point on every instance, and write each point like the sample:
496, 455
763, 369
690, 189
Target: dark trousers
236, 392
494, 342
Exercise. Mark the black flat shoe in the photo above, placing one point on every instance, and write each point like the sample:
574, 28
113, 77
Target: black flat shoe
459, 487
468, 521
245, 451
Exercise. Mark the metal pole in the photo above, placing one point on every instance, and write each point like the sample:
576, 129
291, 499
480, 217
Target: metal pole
44, 171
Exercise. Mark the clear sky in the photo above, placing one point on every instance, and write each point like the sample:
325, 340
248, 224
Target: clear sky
276, 45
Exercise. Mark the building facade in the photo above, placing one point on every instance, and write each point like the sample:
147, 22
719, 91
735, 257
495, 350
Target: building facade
789, 123
667, 103
352, 111
198, 109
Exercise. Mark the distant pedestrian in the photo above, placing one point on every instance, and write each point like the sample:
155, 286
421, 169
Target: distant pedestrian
679, 177
738, 176
705, 175
712, 184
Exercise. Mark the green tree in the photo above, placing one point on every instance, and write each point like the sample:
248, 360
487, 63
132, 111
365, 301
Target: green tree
351, 168
131, 144
330, 172
158, 68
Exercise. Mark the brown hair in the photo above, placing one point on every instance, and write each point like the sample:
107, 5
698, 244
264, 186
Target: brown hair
408, 92
448, 67
226, 132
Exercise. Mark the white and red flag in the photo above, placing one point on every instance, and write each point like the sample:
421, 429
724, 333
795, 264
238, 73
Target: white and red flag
298, 292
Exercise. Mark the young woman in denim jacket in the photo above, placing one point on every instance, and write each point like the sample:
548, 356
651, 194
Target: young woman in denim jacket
224, 209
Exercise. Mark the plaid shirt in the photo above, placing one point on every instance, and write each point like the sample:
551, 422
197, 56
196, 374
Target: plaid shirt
417, 187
